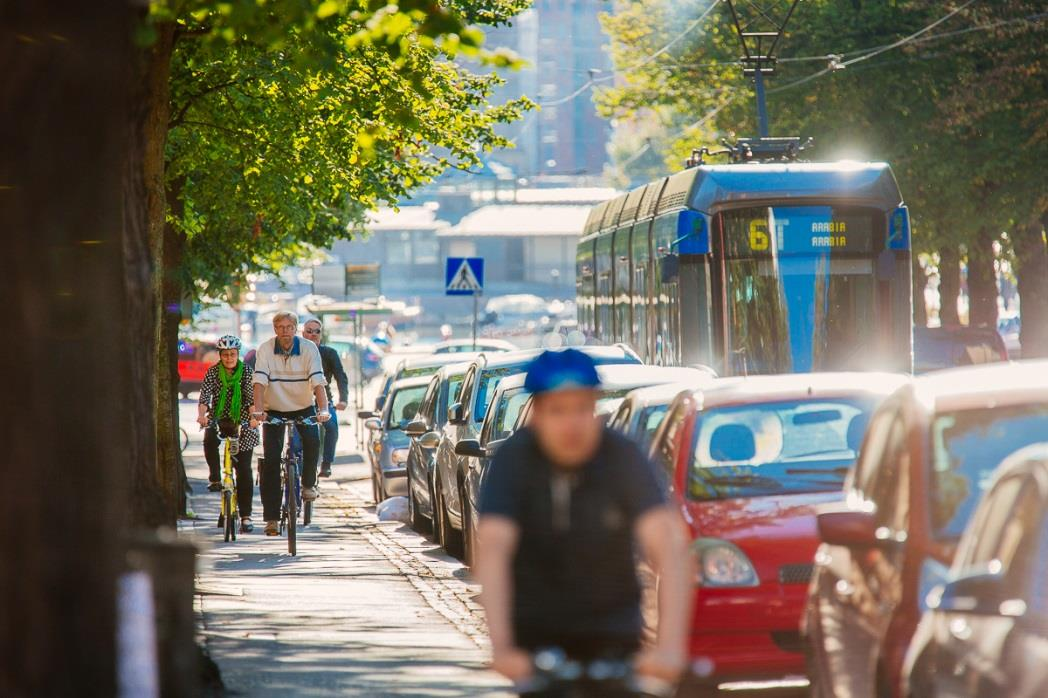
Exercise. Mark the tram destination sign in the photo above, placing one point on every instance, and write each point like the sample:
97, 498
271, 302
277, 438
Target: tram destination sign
798, 230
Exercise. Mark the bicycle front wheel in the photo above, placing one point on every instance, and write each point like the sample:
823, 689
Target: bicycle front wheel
292, 509
227, 514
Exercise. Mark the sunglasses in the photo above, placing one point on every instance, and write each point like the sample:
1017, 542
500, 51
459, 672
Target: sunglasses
311, 331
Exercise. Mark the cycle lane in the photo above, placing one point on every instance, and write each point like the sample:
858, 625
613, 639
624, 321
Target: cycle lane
367, 608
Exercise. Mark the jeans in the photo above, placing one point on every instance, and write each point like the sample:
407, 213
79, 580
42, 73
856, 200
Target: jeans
329, 441
273, 445
213, 452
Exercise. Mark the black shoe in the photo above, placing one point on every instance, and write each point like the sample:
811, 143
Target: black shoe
214, 487
221, 521
325, 470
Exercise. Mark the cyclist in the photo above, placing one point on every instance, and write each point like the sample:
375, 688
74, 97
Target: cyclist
329, 358
226, 395
564, 502
289, 379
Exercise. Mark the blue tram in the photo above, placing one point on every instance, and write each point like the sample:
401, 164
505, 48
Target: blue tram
754, 269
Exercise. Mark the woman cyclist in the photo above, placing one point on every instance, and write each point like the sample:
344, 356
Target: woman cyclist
226, 396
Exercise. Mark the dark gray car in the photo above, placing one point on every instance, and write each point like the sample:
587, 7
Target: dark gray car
390, 442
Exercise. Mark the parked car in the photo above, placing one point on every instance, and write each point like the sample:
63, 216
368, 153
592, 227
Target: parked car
930, 453
443, 391
464, 422
509, 409
416, 367
936, 348
458, 346
389, 445
985, 633
749, 460
194, 358
641, 412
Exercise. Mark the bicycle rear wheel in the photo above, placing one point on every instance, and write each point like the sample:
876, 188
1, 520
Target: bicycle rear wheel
292, 509
227, 515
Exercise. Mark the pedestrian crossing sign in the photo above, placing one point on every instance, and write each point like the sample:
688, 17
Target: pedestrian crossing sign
464, 276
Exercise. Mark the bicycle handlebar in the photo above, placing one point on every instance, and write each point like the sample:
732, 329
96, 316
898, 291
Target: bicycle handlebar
553, 667
287, 421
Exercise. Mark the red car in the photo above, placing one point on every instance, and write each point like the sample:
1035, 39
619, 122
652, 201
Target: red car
194, 358
749, 459
929, 455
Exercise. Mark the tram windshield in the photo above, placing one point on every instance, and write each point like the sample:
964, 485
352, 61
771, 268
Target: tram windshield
803, 274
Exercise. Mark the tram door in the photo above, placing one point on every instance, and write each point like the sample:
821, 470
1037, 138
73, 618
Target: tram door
622, 279
643, 308
604, 326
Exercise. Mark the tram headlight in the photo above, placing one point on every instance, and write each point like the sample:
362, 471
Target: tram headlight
722, 564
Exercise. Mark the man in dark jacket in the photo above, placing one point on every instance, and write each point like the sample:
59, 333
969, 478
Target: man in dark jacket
329, 357
563, 507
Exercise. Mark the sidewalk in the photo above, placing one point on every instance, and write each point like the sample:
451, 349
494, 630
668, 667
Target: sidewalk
367, 608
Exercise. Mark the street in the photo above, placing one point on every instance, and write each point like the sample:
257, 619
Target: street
367, 608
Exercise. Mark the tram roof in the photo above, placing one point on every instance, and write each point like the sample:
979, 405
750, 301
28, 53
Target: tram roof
710, 188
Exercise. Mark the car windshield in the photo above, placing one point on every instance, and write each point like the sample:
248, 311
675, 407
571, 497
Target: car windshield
405, 405
776, 448
968, 446
489, 380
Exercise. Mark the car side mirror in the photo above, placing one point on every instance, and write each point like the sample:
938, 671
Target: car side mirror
493, 446
847, 528
981, 593
457, 414
416, 428
429, 440
470, 448
365, 414
373, 423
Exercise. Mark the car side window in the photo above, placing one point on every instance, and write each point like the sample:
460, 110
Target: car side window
988, 523
873, 447
621, 417
1018, 544
429, 402
889, 487
664, 451
466, 391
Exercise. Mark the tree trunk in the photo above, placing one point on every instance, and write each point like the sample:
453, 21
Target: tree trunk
949, 286
982, 280
920, 282
144, 214
65, 406
1031, 257
169, 452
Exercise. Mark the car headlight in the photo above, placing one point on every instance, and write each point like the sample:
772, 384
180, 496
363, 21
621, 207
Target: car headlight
723, 564
399, 456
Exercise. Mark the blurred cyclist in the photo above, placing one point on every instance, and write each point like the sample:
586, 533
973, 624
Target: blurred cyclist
312, 330
226, 394
564, 502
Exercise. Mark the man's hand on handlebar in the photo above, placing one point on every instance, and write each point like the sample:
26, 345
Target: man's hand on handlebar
323, 415
259, 417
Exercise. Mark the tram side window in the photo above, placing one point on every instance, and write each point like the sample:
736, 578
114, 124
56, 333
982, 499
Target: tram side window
640, 309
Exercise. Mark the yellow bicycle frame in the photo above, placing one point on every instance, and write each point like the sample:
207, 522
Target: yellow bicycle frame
228, 485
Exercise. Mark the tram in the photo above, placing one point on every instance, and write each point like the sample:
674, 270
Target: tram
754, 268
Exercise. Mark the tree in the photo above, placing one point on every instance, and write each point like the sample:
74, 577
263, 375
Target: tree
279, 127
66, 403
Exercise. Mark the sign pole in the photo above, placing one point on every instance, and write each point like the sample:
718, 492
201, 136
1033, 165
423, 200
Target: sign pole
475, 321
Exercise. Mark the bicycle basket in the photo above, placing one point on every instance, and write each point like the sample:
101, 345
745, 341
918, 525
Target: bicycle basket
228, 428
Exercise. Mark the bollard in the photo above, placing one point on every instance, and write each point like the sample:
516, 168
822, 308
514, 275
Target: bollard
170, 563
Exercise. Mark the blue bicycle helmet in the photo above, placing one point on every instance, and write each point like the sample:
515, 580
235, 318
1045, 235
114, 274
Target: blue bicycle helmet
563, 369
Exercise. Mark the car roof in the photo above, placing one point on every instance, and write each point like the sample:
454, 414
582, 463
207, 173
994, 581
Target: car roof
508, 358
410, 383
661, 394
481, 342
618, 376
453, 369
436, 360
797, 386
985, 385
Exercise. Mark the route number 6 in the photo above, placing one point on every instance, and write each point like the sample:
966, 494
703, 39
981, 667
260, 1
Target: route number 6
759, 239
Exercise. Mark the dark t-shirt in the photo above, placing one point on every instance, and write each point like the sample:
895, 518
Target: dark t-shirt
574, 572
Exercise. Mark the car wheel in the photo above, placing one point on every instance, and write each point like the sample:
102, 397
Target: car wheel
418, 522
469, 542
449, 537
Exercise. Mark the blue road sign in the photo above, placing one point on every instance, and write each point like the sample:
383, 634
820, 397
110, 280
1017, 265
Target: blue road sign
464, 276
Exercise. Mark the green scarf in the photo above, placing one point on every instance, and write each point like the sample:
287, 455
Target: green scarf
230, 383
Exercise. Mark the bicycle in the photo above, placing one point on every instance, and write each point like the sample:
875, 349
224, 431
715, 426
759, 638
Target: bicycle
183, 439
291, 483
229, 517
557, 675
